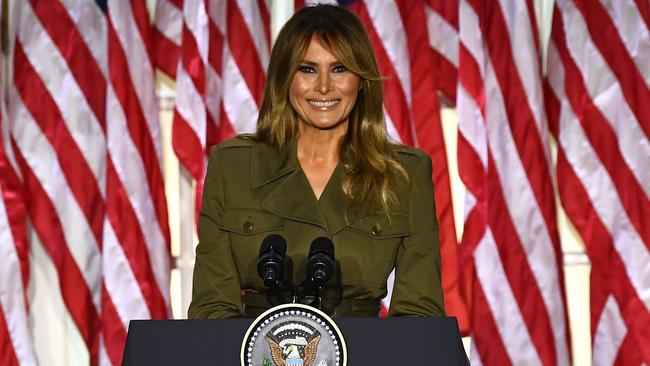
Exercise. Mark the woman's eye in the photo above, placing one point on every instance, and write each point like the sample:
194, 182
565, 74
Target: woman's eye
340, 68
306, 69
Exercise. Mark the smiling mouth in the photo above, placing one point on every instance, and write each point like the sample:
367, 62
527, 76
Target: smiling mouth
324, 105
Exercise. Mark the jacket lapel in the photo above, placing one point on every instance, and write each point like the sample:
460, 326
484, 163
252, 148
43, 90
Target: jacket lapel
334, 203
292, 196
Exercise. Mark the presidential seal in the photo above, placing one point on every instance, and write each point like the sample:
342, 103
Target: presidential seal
293, 335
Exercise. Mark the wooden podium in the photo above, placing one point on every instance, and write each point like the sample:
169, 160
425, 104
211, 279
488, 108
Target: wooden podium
370, 341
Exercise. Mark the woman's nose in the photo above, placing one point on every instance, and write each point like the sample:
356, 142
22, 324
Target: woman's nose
324, 84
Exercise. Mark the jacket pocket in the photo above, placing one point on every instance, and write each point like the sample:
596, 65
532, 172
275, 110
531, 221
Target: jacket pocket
378, 227
247, 228
369, 248
249, 221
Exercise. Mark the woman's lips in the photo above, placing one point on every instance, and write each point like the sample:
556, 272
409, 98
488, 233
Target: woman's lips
324, 105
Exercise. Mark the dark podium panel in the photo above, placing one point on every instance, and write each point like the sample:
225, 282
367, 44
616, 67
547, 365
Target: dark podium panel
370, 341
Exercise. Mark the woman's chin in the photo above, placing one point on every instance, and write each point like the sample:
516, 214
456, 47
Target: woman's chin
324, 124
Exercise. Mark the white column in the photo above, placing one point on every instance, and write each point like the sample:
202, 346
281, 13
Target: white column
281, 11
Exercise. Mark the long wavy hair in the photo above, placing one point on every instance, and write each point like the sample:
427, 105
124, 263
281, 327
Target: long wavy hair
369, 158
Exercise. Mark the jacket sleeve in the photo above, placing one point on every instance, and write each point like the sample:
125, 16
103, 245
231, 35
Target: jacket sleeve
216, 288
417, 290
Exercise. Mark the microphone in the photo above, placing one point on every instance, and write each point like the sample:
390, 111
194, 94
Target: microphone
270, 265
320, 265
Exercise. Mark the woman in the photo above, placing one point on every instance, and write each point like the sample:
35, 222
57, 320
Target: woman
320, 164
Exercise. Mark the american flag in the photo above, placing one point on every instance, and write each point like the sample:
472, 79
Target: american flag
15, 344
82, 210
518, 313
598, 96
398, 31
83, 127
220, 74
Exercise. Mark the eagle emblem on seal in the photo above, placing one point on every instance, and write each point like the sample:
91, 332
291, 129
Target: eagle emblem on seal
293, 343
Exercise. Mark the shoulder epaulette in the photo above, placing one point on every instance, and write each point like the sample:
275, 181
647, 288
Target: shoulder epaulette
237, 141
403, 149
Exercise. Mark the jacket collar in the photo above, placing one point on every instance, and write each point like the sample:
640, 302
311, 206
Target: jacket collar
290, 195
268, 164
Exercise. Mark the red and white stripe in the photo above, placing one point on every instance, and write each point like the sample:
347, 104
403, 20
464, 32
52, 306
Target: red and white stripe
15, 340
224, 51
599, 108
400, 35
168, 28
136, 251
83, 115
442, 26
518, 308
60, 149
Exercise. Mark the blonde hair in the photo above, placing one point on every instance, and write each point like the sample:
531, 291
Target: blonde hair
369, 158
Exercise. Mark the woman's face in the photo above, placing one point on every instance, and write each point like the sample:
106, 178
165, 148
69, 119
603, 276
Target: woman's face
323, 91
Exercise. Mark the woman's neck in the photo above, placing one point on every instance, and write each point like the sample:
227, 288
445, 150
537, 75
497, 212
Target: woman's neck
320, 147
318, 154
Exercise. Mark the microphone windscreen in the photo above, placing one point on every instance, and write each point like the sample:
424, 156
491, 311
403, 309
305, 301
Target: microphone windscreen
273, 242
322, 245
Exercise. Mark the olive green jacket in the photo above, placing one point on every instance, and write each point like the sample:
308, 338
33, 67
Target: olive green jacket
252, 190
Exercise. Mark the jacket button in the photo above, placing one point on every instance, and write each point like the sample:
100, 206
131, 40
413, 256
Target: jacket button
376, 230
247, 225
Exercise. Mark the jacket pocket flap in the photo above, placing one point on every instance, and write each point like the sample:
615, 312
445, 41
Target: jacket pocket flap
377, 226
248, 221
